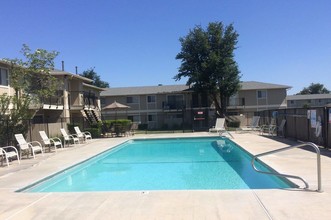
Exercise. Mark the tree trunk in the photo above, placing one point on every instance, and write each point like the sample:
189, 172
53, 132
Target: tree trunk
217, 106
223, 106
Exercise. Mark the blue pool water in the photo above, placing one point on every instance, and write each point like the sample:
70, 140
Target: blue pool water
165, 164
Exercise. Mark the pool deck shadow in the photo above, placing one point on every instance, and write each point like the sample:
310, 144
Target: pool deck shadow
324, 151
184, 204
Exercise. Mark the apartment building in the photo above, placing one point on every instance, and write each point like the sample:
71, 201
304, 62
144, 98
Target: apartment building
78, 97
257, 96
155, 106
75, 98
177, 106
4, 79
309, 100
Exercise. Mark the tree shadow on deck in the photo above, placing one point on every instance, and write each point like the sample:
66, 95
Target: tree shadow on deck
291, 142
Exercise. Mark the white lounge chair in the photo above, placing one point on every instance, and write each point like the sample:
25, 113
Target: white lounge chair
254, 126
219, 125
280, 129
268, 128
83, 135
69, 138
318, 129
34, 146
220, 128
55, 142
133, 128
6, 155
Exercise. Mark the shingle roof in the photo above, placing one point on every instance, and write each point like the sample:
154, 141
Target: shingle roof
61, 73
308, 97
253, 85
143, 90
94, 87
3, 62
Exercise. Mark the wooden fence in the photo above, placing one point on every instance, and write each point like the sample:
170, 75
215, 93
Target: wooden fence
301, 123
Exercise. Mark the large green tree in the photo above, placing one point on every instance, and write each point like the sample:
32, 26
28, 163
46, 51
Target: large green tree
207, 60
91, 74
314, 88
31, 75
31, 80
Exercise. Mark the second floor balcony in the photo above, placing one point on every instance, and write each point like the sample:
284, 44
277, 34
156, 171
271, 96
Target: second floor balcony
83, 100
173, 106
236, 103
52, 102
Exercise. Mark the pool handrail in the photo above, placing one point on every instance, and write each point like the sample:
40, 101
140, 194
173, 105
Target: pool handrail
318, 153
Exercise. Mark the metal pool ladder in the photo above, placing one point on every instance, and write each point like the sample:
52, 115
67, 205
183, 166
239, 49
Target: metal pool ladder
318, 153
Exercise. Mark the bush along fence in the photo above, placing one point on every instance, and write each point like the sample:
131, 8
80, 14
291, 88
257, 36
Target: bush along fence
304, 124
30, 129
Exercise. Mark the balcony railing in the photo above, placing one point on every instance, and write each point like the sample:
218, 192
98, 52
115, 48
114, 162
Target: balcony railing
236, 102
179, 105
81, 100
51, 102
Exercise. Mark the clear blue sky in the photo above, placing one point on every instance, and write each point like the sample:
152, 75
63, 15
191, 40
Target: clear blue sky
134, 43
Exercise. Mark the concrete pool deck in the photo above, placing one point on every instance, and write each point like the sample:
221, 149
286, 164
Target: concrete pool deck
185, 204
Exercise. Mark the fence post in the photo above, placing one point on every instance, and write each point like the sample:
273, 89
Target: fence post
7, 131
30, 126
325, 127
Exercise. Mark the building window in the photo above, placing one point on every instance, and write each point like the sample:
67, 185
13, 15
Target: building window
102, 101
134, 118
151, 99
233, 100
243, 101
292, 101
151, 118
261, 94
132, 99
3, 77
175, 102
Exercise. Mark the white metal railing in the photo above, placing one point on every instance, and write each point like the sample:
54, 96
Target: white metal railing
319, 189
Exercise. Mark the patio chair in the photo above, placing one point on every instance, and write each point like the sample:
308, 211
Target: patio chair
220, 128
254, 126
4, 154
25, 146
83, 135
318, 129
55, 142
268, 128
281, 128
219, 125
69, 138
133, 128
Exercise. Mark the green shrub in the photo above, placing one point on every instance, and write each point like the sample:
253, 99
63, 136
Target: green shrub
95, 132
142, 127
71, 128
233, 124
105, 126
122, 122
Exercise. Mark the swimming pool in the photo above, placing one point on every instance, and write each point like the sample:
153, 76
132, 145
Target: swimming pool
164, 164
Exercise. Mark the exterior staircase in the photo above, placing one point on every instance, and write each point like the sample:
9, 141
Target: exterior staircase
91, 116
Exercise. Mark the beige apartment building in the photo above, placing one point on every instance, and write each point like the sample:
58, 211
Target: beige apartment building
309, 100
177, 106
76, 99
